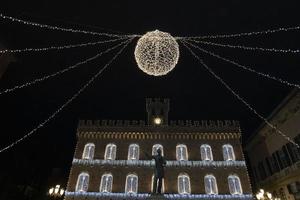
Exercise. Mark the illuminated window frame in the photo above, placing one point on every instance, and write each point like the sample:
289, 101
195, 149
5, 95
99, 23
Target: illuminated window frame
88, 151
162, 187
206, 152
181, 152
106, 183
234, 184
131, 185
82, 182
133, 152
183, 184
228, 152
155, 147
210, 183
110, 152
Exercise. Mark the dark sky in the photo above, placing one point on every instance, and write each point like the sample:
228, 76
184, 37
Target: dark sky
120, 93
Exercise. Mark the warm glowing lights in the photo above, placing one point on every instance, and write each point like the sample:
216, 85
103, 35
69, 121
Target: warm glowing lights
157, 121
156, 53
57, 191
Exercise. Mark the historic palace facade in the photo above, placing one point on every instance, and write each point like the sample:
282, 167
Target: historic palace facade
204, 159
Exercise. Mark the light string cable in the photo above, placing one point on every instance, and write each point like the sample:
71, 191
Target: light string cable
46, 26
238, 96
265, 75
59, 72
246, 47
68, 101
244, 34
57, 47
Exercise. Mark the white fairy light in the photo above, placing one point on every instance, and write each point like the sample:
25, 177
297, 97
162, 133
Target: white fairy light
156, 53
57, 47
62, 29
59, 72
243, 34
246, 68
246, 47
238, 96
68, 101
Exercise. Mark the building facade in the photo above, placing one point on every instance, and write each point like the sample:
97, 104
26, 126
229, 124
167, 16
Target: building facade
275, 162
204, 159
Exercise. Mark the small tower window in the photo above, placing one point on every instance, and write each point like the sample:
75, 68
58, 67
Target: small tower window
82, 182
234, 184
181, 152
228, 152
133, 152
184, 186
210, 183
131, 185
110, 152
88, 152
156, 147
206, 152
106, 183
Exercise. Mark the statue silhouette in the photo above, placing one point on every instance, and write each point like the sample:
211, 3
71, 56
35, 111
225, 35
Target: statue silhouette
158, 171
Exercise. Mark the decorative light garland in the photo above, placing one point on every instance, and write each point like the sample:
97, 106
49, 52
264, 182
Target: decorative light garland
156, 53
246, 68
238, 96
59, 72
246, 47
243, 34
57, 47
62, 29
68, 101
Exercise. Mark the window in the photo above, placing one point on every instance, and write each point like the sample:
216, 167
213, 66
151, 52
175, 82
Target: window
110, 152
293, 152
133, 152
261, 170
106, 183
210, 183
234, 185
206, 153
155, 147
88, 152
131, 185
162, 187
181, 152
82, 182
228, 152
184, 186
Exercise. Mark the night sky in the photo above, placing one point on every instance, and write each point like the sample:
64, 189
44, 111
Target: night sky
121, 91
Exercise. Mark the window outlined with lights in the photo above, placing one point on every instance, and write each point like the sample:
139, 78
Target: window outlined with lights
106, 183
82, 184
184, 185
156, 147
133, 152
88, 151
228, 153
210, 184
131, 185
181, 152
206, 152
234, 184
162, 187
110, 152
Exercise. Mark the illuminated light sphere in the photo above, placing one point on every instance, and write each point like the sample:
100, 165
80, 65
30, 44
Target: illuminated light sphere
157, 120
156, 53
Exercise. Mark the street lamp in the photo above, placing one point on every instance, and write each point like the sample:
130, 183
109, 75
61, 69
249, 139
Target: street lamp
262, 195
56, 191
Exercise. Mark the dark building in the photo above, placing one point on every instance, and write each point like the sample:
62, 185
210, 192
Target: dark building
204, 158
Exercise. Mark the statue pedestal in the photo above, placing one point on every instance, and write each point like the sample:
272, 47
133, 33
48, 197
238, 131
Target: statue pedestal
156, 197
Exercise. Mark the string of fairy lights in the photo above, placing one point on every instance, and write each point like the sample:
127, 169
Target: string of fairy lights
156, 54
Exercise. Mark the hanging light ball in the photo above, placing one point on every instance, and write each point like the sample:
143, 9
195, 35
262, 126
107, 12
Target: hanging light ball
156, 53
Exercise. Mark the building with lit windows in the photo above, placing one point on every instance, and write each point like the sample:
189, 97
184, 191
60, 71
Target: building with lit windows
204, 159
275, 162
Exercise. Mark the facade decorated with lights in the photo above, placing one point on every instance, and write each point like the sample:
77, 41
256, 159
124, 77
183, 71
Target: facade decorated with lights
204, 159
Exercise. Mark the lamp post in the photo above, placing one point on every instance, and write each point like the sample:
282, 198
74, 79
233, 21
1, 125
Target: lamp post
56, 192
262, 195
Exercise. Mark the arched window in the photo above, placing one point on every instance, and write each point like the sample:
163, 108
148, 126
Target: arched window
155, 147
181, 152
106, 183
131, 185
162, 187
184, 186
110, 152
206, 152
82, 182
228, 152
88, 152
234, 185
210, 183
133, 152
